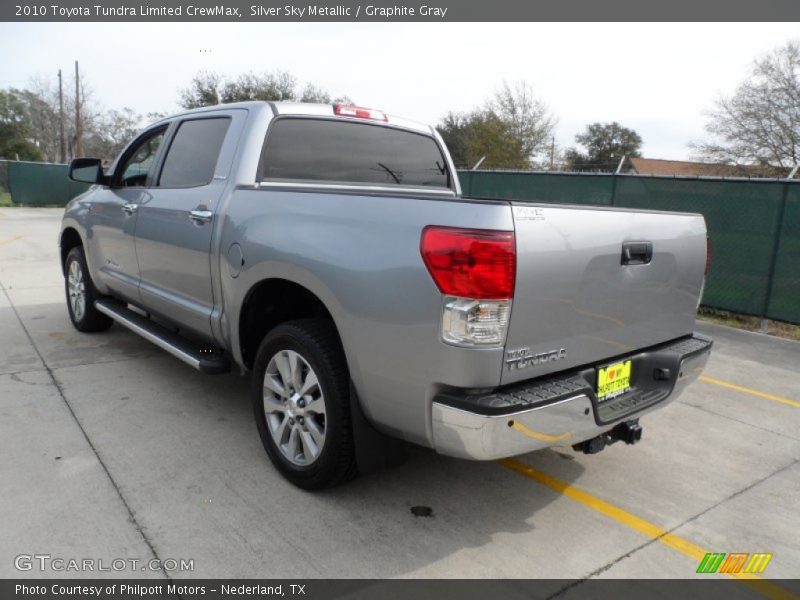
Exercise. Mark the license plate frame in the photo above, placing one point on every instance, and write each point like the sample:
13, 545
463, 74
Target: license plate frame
613, 379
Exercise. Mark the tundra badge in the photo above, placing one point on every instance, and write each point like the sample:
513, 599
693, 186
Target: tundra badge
523, 357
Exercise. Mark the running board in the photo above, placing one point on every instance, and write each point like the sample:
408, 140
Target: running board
203, 359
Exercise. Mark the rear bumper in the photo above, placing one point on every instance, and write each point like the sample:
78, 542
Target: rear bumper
562, 410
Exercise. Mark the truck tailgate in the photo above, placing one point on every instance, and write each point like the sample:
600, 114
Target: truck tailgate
577, 302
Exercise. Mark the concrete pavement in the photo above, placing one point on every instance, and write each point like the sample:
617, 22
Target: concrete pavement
110, 448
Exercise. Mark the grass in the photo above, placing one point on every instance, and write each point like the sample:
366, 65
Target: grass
5, 199
723, 317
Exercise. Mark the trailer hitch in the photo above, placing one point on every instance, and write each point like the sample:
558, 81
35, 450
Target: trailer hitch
629, 432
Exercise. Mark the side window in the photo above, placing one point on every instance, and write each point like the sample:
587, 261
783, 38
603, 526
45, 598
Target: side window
192, 156
133, 171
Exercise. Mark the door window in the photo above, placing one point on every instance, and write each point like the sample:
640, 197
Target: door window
139, 160
193, 153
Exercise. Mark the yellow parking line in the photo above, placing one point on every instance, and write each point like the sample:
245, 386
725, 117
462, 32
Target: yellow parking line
739, 388
9, 240
685, 547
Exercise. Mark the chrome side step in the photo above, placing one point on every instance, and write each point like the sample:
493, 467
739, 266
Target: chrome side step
203, 359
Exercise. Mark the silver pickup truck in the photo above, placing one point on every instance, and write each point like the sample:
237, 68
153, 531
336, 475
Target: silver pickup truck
328, 252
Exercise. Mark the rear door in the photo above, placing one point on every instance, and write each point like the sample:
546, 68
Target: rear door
594, 283
176, 220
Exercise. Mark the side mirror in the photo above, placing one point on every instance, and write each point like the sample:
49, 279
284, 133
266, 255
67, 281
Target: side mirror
87, 170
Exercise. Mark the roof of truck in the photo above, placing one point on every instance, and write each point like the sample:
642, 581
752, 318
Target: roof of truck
308, 109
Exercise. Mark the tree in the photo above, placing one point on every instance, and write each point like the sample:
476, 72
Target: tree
528, 121
208, 88
202, 91
759, 123
111, 132
470, 137
16, 140
512, 130
605, 144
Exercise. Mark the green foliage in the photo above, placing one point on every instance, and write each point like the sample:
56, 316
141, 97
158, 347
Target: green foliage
16, 133
208, 88
510, 130
605, 144
471, 136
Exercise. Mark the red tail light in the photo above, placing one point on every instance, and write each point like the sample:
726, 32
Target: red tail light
708, 255
359, 112
471, 263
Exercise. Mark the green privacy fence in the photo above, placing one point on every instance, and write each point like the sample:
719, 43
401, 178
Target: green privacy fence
754, 226
39, 184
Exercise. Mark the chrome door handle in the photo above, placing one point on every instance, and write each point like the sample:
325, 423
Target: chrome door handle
201, 216
129, 208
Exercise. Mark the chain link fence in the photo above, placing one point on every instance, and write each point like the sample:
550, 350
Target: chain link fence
754, 226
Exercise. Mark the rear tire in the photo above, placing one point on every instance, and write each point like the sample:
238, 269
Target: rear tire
81, 294
301, 402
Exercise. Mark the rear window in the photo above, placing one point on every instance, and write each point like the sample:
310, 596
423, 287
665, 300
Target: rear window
193, 153
350, 152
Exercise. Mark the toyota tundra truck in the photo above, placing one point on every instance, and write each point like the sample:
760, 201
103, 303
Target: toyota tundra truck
327, 252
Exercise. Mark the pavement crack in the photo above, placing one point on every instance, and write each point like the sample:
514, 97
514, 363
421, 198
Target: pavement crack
728, 417
60, 390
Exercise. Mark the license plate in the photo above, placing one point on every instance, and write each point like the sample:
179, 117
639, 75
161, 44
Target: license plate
613, 380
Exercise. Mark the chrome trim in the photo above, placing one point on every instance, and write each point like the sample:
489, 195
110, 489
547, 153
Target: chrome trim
129, 208
357, 188
465, 434
201, 216
148, 335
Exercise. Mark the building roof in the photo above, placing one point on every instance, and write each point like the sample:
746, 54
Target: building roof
681, 168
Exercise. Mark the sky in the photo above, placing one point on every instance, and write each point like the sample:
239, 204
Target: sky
657, 78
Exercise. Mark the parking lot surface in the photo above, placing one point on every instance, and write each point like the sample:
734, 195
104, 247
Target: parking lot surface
110, 448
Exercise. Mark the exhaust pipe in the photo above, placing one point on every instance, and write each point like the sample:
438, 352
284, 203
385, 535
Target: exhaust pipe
629, 432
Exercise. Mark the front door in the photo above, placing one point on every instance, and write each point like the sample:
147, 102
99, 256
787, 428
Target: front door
113, 218
175, 224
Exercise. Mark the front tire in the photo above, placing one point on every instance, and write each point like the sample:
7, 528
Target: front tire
81, 294
301, 401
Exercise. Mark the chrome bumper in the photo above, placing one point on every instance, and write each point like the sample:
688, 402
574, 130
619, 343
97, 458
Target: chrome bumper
499, 424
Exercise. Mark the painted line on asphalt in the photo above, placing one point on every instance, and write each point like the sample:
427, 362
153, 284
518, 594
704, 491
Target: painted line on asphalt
739, 388
671, 540
9, 240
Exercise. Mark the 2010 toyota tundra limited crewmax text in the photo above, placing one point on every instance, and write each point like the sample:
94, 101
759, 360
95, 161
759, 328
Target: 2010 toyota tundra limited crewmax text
327, 251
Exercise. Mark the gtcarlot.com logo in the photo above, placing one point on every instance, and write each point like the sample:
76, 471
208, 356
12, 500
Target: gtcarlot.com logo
47, 562
735, 562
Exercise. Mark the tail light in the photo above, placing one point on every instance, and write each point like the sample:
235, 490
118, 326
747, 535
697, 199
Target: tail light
475, 270
359, 112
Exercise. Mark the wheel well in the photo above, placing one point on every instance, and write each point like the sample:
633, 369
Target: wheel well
270, 303
69, 239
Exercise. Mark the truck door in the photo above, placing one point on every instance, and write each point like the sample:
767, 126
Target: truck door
176, 217
113, 215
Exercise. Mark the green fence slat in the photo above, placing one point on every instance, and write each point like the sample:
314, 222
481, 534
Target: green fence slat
784, 303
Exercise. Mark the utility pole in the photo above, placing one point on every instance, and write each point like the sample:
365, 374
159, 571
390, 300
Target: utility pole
78, 131
63, 142
553, 153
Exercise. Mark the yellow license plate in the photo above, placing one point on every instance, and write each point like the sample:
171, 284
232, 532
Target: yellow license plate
613, 379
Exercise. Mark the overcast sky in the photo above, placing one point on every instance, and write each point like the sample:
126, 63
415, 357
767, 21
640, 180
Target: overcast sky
656, 78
